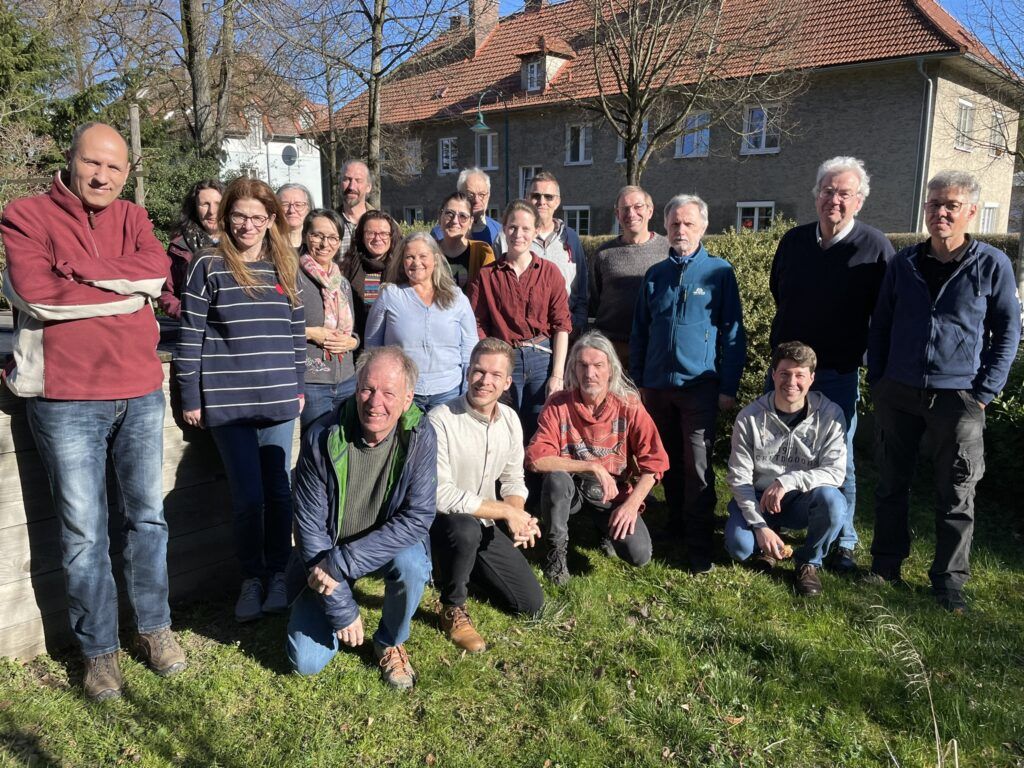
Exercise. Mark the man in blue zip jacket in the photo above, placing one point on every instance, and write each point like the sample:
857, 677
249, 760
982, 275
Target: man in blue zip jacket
365, 489
943, 336
686, 353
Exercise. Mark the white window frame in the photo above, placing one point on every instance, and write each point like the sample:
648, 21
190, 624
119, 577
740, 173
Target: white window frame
487, 160
414, 157
620, 146
698, 128
964, 125
417, 214
756, 205
526, 174
764, 135
987, 219
570, 215
452, 164
585, 144
534, 77
998, 140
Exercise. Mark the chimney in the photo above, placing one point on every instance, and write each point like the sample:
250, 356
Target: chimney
455, 23
483, 18
534, 5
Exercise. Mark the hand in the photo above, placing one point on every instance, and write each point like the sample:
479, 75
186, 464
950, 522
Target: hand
352, 635
193, 418
528, 536
726, 403
769, 542
338, 343
555, 384
320, 580
611, 489
518, 520
771, 499
622, 522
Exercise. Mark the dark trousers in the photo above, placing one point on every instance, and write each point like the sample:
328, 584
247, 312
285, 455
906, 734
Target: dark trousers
560, 499
954, 423
466, 551
686, 423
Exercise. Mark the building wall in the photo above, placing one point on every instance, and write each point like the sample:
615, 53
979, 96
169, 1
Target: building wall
261, 159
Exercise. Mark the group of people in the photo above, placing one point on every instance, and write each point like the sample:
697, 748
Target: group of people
456, 410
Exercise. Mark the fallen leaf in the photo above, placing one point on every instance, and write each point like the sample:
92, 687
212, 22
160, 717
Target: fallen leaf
547, 764
431, 760
369, 722
733, 720
685, 707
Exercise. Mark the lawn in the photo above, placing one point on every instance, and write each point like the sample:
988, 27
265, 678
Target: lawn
625, 667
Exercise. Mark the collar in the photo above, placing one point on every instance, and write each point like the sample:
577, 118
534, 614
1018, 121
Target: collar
503, 262
553, 235
477, 416
681, 260
957, 255
838, 236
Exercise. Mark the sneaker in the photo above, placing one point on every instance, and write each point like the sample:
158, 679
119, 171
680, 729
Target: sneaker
952, 600
842, 562
556, 570
102, 677
250, 601
761, 562
277, 595
162, 652
883, 578
395, 668
808, 584
456, 623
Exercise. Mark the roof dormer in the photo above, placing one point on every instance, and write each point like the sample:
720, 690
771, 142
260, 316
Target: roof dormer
542, 61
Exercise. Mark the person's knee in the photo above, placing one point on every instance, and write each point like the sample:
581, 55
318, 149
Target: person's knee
558, 484
411, 566
462, 532
739, 543
305, 658
639, 555
530, 603
832, 502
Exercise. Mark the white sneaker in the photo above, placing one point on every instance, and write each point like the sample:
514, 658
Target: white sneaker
277, 595
250, 601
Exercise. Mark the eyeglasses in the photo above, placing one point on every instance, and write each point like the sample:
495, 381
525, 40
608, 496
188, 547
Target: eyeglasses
476, 195
378, 235
316, 237
935, 206
635, 208
843, 194
295, 206
239, 219
451, 215
547, 196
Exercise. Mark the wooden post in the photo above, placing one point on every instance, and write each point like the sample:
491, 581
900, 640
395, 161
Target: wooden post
140, 181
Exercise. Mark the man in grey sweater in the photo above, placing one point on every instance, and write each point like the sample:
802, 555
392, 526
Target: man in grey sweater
619, 266
788, 461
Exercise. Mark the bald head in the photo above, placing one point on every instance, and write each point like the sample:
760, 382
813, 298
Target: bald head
97, 165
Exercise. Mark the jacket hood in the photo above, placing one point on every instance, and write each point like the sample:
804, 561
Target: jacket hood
70, 203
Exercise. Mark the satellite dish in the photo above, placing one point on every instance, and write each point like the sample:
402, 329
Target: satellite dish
289, 155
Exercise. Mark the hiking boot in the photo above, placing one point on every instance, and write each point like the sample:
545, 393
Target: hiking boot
456, 623
556, 570
842, 562
807, 582
952, 600
102, 677
395, 668
878, 577
608, 547
250, 601
162, 652
761, 562
277, 595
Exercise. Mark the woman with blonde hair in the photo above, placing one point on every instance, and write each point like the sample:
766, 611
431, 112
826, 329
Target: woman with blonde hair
241, 364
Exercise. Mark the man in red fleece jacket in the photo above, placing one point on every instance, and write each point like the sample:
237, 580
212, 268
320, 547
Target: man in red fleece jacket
596, 446
82, 266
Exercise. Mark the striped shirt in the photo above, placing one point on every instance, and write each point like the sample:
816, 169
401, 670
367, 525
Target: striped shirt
241, 359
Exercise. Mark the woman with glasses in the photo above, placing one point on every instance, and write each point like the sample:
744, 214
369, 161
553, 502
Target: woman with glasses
374, 242
197, 228
422, 310
327, 301
296, 201
465, 256
241, 366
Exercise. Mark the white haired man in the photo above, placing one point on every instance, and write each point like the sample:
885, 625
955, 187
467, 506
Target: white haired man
475, 184
825, 280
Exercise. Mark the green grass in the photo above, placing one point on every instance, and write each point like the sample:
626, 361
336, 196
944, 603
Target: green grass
625, 667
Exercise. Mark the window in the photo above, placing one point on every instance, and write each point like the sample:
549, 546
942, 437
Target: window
447, 155
493, 213
754, 216
412, 214
998, 139
620, 150
760, 132
696, 137
989, 214
413, 157
487, 151
578, 145
964, 125
534, 79
577, 217
526, 174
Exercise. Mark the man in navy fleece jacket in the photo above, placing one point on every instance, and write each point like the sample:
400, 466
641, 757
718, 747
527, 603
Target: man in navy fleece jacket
944, 333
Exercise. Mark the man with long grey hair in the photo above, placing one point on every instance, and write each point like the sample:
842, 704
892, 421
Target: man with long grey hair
596, 446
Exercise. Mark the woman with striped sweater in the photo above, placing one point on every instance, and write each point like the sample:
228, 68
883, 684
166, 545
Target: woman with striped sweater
241, 362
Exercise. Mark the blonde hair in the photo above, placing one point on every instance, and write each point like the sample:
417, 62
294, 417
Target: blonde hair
445, 289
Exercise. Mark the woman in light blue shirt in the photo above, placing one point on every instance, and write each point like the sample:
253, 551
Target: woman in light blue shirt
422, 310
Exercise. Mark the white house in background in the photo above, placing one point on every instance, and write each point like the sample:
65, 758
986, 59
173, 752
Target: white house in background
273, 149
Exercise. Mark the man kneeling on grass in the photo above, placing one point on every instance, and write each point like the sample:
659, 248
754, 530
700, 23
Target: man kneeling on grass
365, 487
596, 446
479, 446
788, 461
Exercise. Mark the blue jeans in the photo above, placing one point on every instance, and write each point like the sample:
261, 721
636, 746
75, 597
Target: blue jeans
427, 402
258, 463
312, 642
323, 398
843, 389
820, 510
529, 385
75, 439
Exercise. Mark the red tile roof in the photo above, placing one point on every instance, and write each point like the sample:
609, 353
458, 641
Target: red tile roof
864, 31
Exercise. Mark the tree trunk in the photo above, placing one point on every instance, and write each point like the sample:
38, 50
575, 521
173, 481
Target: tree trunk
380, 8
226, 47
194, 35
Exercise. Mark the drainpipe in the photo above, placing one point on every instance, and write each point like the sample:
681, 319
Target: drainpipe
924, 143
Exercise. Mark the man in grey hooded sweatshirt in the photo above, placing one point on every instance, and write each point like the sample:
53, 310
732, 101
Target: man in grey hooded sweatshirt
787, 463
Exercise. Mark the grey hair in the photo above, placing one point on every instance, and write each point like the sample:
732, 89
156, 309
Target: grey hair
393, 352
680, 200
354, 161
844, 164
445, 289
301, 187
631, 189
464, 175
965, 182
619, 383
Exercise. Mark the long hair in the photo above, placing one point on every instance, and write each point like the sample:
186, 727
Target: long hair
357, 248
618, 382
187, 216
276, 248
445, 289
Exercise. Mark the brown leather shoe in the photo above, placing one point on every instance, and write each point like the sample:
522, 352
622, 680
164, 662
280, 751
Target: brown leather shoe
395, 667
102, 677
761, 562
456, 623
807, 582
162, 653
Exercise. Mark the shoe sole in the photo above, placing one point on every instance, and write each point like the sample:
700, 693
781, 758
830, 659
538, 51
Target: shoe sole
108, 695
174, 669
